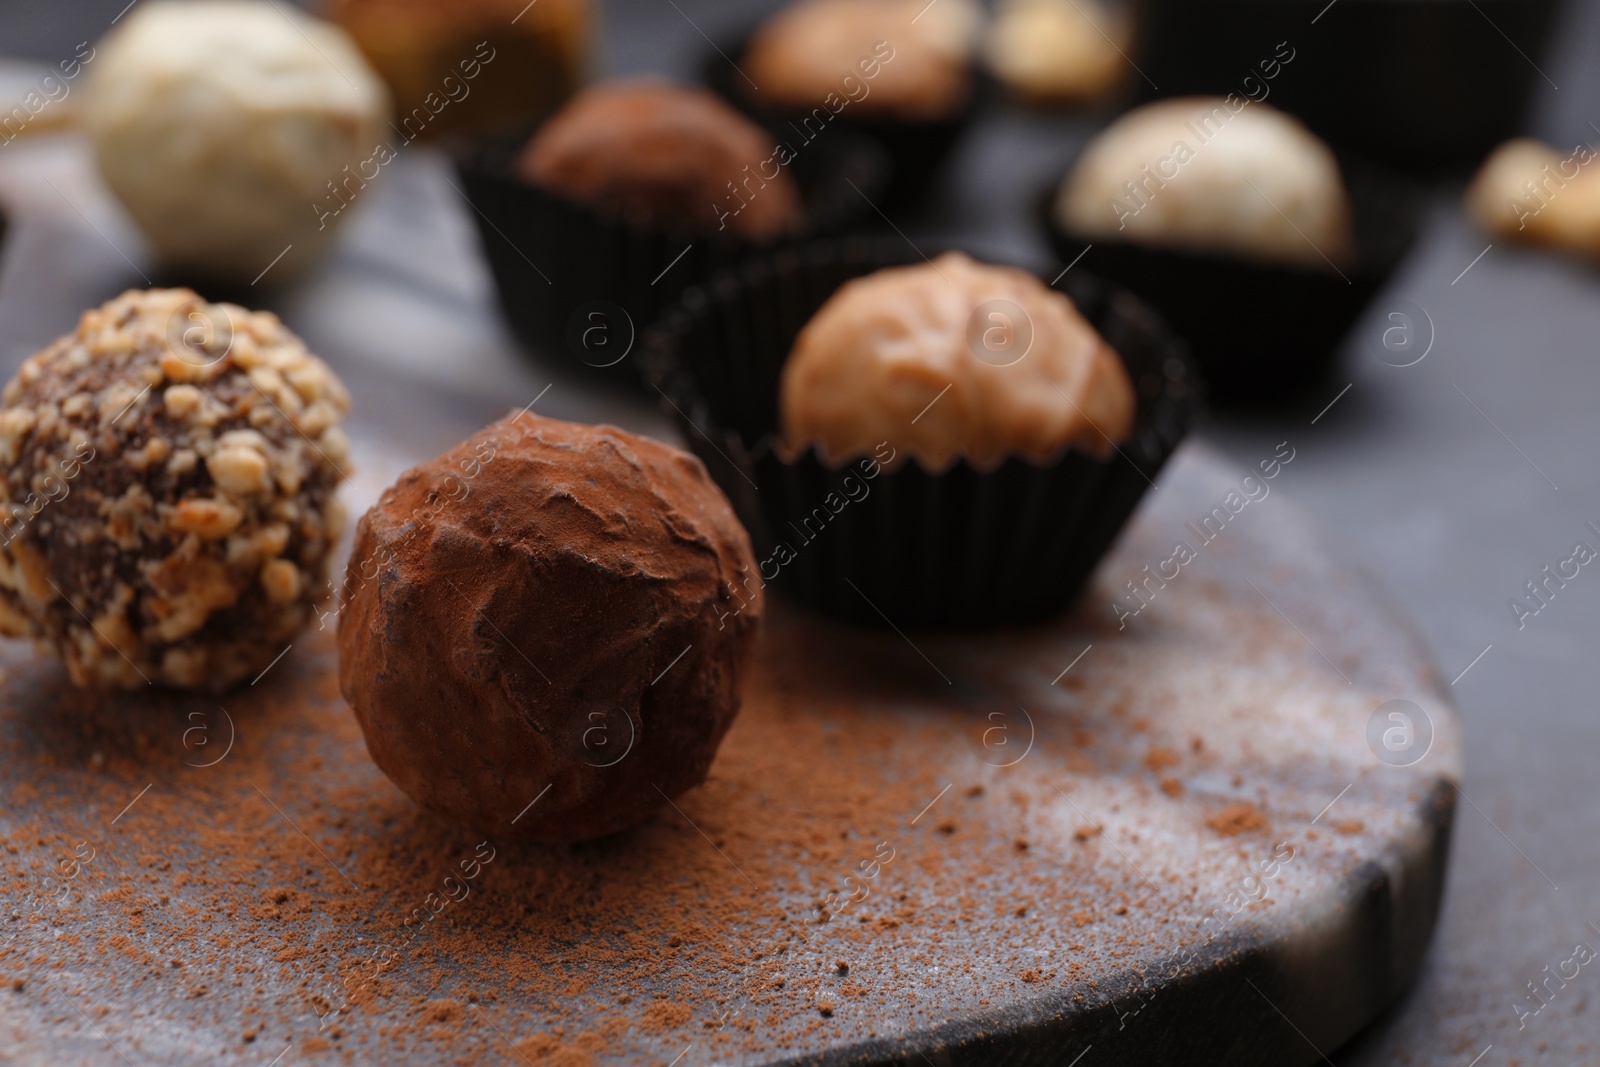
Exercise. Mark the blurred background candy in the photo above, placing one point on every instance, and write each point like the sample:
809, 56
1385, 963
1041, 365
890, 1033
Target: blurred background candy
223, 124
1059, 52
521, 58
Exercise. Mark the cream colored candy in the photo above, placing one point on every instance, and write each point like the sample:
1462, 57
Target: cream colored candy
1214, 175
953, 359
1528, 191
1058, 51
220, 124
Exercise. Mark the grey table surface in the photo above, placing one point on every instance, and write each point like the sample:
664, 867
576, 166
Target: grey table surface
1453, 481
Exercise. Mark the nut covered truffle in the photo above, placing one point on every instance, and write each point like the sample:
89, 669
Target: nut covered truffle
952, 359
661, 154
545, 629
168, 492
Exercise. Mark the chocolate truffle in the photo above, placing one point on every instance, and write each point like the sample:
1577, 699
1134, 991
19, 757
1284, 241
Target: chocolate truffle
544, 630
1528, 191
665, 155
226, 128
1059, 51
168, 494
1212, 174
470, 66
905, 59
953, 359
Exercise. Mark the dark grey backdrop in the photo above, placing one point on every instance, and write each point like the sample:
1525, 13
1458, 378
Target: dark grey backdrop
1454, 480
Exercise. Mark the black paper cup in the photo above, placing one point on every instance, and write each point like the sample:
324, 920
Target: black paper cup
916, 148
1260, 331
906, 548
585, 283
1424, 85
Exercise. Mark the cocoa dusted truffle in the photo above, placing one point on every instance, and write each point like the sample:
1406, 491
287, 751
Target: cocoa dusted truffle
168, 493
661, 154
544, 629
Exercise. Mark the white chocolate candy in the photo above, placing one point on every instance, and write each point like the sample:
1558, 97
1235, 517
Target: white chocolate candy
1058, 51
220, 124
1212, 174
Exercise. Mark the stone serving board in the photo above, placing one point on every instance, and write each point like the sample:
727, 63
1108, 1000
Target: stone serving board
1205, 837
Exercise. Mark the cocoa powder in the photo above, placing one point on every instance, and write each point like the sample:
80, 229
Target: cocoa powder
849, 872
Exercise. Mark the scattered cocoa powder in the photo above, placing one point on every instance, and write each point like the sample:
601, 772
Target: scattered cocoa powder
1159, 759
1239, 818
547, 1050
668, 1015
311, 902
